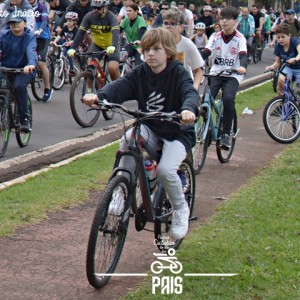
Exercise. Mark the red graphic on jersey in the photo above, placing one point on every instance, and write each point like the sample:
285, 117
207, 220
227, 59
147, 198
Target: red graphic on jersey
218, 48
233, 50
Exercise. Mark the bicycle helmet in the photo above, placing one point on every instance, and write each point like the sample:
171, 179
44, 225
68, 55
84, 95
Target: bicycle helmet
71, 15
207, 8
200, 25
99, 3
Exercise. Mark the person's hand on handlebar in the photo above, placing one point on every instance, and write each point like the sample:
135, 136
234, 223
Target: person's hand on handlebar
187, 117
28, 69
89, 99
241, 70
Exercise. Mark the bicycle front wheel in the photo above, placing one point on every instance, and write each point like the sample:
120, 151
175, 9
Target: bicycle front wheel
275, 81
4, 125
59, 74
83, 114
163, 220
24, 137
108, 233
282, 120
225, 155
38, 85
200, 149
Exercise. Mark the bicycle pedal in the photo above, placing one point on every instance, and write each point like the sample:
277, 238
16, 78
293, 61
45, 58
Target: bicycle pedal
193, 218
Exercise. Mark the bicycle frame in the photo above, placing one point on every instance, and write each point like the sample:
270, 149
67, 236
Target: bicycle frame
138, 173
97, 67
211, 104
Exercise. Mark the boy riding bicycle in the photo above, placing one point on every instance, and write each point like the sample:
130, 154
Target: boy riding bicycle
287, 49
18, 50
160, 84
230, 49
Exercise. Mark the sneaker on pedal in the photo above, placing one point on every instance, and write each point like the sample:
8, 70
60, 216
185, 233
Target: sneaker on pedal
25, 126
47, 95
180, 222
116, 205
225, 142
249, 59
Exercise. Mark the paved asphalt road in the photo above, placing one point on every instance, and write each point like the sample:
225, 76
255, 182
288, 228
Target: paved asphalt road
53, 121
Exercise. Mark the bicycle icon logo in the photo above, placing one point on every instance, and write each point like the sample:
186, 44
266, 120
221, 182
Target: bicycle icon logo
173, 264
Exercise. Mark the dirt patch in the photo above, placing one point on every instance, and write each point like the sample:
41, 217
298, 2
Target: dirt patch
47, 260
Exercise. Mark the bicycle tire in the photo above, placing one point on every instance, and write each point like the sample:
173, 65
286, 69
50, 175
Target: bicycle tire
76, 69
37, 84
225, 155
4, 125
108, 114
199, 151
275, 81
103, 252
59, 74
282, 129
24, 137
162, 228
255, 55
82, 113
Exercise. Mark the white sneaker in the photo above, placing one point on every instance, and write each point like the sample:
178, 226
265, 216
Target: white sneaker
116, 205
180, 223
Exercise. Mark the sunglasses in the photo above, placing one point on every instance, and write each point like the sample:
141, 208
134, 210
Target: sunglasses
98, 8
170, 24
164, 8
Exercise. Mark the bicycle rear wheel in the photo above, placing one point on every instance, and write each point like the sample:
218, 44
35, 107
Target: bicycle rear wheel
163, 218
200, 149
82, 113
37, 84
59, 74
225, 155
4, 125
24, 137
107, 235
282, 120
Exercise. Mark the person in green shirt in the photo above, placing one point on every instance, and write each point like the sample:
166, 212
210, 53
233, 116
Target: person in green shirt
134, 27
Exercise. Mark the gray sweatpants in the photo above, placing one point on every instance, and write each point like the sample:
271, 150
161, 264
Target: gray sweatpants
173, 153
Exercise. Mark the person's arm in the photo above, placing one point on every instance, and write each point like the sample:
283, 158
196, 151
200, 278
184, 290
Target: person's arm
275, 65
31, 52
198, 75
261, 23
30, 20
251, 25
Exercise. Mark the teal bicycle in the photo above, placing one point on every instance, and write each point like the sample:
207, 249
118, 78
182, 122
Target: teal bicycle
209, 127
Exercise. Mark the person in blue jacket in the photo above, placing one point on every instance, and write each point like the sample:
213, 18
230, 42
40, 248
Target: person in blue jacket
18, 50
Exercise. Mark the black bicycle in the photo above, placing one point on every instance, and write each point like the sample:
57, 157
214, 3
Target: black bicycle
146, 200
9, 113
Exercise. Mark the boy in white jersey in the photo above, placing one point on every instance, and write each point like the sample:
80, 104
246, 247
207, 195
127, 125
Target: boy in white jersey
230, 49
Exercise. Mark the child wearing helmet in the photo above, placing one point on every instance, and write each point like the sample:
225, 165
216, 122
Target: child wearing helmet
199, 38
67, 35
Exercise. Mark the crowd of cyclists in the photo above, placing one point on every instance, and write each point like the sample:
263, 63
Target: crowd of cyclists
222, 36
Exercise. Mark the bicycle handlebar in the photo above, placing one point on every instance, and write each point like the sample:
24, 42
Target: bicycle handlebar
169, 116
227, 71
11, 70
90, 53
